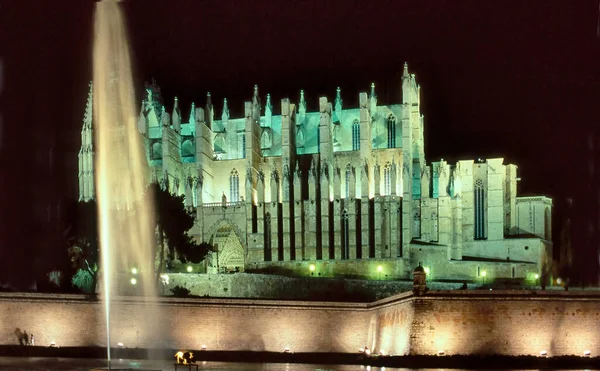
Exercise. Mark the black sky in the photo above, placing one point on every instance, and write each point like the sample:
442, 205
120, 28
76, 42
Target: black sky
518, 79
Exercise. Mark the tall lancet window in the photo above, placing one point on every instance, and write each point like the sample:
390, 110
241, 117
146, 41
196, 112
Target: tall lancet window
479, 208
267, 249
391, 129
356, 135
195, 190
345, 236
434, 227
387, 179
416, 225
242, 143
348, 185
234, 186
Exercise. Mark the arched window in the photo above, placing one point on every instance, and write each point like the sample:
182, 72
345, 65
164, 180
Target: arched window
187, 148
356, 135
242, 143
434, 227
417, 225
345, 236
265, 139
234, 186
300, 138
479, 209
416, 180
387, 179
399, 229
348, 185
195, 190
391, 129
267, 250
157, 151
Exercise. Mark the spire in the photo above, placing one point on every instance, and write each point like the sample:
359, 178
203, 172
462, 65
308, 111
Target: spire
268, 106
405, 73
373, 100
338, 99
89, 112
255, 97
256, 105
209, 113
302, 104
208, 100
165, 119
176, 116
225, 115
193, 114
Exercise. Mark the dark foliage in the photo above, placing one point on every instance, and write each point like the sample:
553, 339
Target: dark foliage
180, 292
173, 222
82, 239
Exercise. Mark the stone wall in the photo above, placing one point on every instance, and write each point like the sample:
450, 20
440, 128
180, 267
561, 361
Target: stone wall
508, 323
245, 285
220, 324
456, 322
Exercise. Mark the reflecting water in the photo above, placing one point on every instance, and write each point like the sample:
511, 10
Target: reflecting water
70, 364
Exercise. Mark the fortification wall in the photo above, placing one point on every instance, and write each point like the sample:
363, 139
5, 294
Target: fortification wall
458, 322
220, 324
506, 322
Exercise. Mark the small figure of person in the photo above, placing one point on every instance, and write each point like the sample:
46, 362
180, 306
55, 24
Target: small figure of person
25, 338
32, 340
224, 200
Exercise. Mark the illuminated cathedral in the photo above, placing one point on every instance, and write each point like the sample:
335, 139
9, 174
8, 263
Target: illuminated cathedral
337, 191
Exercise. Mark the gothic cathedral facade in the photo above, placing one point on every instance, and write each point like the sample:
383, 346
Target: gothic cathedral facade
337, 191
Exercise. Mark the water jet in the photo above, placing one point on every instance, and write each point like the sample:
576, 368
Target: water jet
121, 167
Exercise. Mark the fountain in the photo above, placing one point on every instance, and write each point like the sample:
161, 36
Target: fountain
126, 238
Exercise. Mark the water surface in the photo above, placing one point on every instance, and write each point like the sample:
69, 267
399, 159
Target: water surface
70, 364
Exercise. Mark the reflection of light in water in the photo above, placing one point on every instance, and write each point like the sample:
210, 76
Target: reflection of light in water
124, 219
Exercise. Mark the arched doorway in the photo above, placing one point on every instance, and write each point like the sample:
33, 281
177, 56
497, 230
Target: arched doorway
230, 255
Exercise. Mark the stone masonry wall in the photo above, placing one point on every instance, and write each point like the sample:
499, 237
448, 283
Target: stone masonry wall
220, 324
457, 322
509, 322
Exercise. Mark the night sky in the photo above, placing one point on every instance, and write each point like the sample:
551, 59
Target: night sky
517, 79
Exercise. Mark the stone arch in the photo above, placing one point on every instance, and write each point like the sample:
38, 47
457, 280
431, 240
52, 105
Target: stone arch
232, 244
187, 148
156, 152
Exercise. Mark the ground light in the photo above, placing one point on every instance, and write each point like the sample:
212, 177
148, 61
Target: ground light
312, 267
190, 269
133, 281
587, 353
120, 345
426, 269
543, 353
483, 274
134, 270
379, 270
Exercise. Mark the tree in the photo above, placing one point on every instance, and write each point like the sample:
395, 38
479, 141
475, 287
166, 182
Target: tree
83, 245
173, 222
